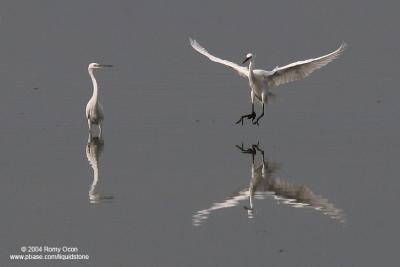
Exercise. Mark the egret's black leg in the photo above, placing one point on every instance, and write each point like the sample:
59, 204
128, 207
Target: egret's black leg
251, 116
262, 115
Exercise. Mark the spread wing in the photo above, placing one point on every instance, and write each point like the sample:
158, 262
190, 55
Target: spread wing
301, 69
243, 71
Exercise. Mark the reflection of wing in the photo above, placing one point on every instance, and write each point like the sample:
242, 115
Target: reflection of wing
300, 196
301, 69
297, 196
243, 71
202, 215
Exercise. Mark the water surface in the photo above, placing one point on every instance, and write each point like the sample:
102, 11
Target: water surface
169, 148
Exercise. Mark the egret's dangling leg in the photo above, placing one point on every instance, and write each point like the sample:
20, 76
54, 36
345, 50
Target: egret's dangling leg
88, 141
100, 131
90, 128
252, 115
264, 99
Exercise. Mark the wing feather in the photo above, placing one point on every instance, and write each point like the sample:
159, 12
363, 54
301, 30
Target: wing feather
301, 69
243, 71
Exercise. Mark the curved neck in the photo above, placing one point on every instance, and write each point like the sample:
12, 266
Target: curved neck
95, 89
251, 65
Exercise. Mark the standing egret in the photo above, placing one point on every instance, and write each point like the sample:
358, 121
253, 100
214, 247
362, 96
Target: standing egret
261, 81
94, 110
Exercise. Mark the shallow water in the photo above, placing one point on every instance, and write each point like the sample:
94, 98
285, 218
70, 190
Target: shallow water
169, 150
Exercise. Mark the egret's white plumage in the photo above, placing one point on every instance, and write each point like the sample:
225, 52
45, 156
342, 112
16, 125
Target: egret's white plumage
262, 80
94, 110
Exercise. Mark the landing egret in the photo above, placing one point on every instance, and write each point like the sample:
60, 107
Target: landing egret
94, 110
261, 81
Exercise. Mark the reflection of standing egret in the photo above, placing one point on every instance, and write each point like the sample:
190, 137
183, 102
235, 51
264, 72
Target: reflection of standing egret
94, 110
263, 185
94, 148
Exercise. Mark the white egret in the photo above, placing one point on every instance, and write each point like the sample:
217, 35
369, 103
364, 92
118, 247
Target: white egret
94, 110
262, 80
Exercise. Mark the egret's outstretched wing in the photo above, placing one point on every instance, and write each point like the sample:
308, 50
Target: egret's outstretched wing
301, 69
243, 71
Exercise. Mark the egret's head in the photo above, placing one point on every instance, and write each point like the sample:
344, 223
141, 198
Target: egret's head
248, 57
94, 66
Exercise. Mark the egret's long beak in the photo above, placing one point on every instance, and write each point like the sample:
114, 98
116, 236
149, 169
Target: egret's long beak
247, 59
105, 66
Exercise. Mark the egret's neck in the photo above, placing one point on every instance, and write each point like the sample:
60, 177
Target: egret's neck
251, 66
95, 89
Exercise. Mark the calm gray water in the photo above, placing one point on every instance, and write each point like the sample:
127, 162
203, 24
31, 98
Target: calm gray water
172, 186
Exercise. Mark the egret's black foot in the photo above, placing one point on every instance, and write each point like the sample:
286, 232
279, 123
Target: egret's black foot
251, 116
256, 121
240, 120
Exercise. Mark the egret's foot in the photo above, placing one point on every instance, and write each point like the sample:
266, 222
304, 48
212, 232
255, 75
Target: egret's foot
251, 116
240, 120
247, 208
256, 121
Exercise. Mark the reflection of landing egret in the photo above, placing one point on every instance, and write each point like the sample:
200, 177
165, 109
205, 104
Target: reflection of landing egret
261, 81
94, 148
94, 110
266, 169
263, 184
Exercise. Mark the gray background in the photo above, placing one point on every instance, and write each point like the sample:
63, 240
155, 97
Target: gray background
170, 133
